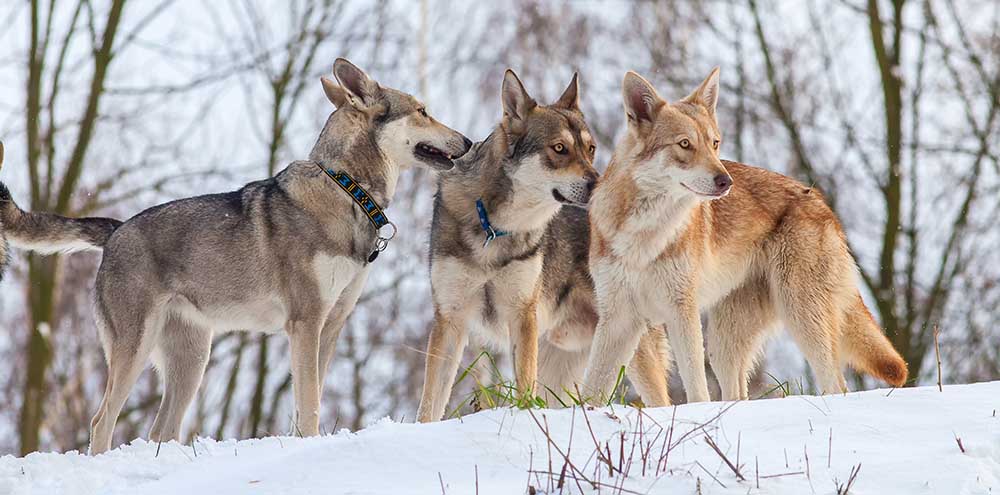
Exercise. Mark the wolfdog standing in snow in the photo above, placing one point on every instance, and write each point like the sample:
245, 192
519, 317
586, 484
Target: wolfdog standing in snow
290, 252
675, 231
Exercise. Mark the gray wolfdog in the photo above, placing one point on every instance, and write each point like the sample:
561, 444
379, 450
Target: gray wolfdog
509, 191
288, 252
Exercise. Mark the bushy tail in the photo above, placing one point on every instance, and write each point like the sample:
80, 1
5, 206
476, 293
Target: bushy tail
868, 350
48, 233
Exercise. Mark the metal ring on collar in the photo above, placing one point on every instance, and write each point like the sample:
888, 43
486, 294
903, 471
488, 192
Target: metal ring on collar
393, 234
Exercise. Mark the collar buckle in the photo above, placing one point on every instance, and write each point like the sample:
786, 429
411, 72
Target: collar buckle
484, 220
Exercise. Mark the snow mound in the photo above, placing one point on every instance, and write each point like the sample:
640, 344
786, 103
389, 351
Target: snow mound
905, 442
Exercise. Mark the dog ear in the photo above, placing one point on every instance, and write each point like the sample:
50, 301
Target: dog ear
707, 94
334, 92
516, 101
641, 99
360, 89
570, 99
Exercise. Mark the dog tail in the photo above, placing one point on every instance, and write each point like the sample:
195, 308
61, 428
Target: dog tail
867, 349
48, 233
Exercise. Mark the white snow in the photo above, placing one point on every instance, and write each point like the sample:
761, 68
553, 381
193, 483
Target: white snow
905, 442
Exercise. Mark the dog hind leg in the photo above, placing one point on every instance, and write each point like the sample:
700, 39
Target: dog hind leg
560, 373
814, 322
738, 326
184, 350
130, 336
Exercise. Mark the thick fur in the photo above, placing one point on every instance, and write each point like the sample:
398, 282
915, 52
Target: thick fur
287, 252
677, 232
537, 159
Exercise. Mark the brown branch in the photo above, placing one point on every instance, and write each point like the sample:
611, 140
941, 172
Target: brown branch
102, 60
733, 468
781, 108
887, 58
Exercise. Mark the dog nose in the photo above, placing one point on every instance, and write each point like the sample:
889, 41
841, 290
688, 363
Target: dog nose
723, 181
590, 185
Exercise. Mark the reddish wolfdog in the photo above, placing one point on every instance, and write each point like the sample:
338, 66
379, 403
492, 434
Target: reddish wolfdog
675, 231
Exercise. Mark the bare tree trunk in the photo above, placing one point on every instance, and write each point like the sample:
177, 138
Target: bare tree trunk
43, 273
887, 56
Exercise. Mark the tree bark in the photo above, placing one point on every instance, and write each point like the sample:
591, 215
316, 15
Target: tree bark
43, 273
887, 57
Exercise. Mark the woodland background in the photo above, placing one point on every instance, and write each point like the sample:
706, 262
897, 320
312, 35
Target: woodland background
111, 106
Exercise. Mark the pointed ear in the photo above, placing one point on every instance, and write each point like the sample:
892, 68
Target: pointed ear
570, 99
516, 101
707, 94
360, 89
641, 99
334, 92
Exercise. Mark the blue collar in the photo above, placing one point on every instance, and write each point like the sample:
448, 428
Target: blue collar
368, 205
484, 220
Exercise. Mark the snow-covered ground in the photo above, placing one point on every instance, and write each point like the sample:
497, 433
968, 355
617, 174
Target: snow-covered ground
904, 442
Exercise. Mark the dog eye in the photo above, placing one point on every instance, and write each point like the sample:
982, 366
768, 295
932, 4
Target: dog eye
715, 144
560, 148
423, 112
685, 143
593, 149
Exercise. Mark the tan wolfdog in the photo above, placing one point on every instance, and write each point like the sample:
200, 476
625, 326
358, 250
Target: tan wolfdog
675, 232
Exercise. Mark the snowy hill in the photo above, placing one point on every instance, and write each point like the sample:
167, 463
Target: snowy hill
904, 442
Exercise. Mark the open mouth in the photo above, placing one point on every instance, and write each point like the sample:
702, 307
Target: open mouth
434, 156
715, 195
566, 201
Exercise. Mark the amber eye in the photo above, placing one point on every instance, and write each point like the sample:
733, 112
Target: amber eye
593, 149
423, 112
685, 143
560, 148
715, 144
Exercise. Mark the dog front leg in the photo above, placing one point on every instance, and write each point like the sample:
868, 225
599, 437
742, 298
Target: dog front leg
335, 323
526, 351
615, 342
649, 366
303, 339
444, 352
688, 345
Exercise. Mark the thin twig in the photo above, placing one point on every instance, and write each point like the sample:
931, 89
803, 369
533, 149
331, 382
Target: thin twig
844, 489
829, 449
595, 484
778, 476
710, 474
736, 470
805, 450
937, 353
